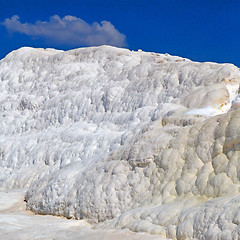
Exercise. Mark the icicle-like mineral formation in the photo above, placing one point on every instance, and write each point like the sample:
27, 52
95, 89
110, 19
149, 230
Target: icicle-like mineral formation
150, 142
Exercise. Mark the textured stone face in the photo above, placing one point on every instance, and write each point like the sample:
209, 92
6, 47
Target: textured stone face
148, 140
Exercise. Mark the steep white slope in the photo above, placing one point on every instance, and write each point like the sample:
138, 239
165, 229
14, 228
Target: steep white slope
100, 131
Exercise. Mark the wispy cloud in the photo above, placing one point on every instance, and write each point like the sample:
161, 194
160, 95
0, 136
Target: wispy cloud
69, 30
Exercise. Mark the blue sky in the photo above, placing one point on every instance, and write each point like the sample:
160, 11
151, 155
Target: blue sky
197, 29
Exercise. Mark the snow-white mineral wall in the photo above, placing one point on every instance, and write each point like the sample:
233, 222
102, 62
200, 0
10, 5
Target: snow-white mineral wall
148, 140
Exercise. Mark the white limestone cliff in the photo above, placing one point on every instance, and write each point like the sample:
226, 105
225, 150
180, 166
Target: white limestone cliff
144, 141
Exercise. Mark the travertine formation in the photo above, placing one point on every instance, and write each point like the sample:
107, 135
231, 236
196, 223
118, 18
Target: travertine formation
136, 140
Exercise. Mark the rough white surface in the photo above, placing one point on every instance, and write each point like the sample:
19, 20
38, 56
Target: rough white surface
17, 223
102, 133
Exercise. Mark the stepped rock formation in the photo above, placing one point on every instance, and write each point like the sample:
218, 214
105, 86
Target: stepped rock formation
144, 141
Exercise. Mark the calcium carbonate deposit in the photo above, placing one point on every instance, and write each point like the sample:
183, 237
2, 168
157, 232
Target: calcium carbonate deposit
142, 141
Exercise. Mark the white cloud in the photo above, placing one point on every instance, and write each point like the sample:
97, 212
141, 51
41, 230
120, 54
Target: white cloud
69, 30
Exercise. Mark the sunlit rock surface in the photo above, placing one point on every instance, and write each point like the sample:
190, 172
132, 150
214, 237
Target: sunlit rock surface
17, 223
144, 141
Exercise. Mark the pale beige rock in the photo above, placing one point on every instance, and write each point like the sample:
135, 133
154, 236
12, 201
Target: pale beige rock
136, 140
